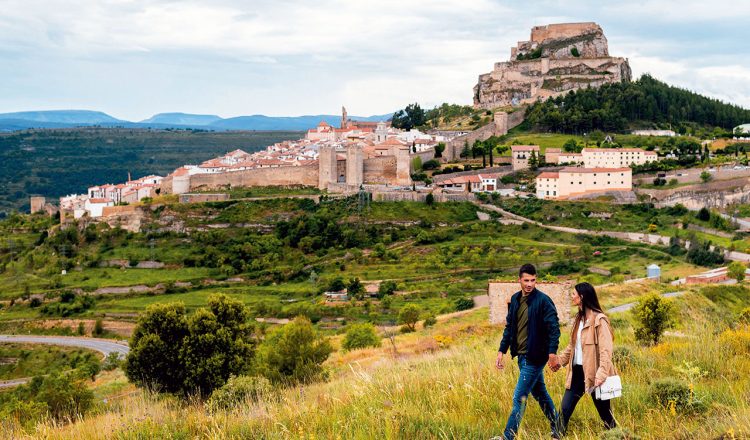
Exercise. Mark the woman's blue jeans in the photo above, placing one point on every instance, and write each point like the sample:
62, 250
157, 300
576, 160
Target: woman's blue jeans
530, 381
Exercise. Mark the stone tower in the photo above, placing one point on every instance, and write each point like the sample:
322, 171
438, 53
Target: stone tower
344, 118
354, 166
37, 204
403, 166
381, 133
326, 166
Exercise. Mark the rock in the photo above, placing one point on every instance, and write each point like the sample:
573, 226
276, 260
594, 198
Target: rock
558, 58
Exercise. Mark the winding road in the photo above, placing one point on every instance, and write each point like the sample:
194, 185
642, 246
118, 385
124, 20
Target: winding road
104, 346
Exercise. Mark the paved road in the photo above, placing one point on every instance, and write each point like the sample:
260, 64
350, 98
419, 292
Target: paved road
628, 306
13, 382
104, 346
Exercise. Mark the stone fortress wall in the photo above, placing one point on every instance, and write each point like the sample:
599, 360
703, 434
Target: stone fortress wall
348, 173
565, 56
501, 292
561, 30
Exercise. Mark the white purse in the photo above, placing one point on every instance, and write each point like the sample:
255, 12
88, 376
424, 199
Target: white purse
611, 388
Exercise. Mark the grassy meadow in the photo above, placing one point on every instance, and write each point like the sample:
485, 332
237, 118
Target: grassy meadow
440, 383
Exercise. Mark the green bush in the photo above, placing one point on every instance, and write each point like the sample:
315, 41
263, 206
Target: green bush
430, 321
409, 315
293, 354
239, 390
360, 336
173, 352
670, 391
654, 315
464, 303
112, 361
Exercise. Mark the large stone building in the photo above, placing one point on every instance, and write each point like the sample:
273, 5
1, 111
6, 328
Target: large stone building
602, 157
557, 58
574, 181
521, 154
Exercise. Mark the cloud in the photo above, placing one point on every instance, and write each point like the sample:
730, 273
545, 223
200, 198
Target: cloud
136, 57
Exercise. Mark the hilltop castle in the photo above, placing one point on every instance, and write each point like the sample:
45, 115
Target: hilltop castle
557, 58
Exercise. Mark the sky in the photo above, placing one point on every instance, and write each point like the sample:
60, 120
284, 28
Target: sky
135, 58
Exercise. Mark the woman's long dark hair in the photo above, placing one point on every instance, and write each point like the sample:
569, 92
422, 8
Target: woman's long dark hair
589, 301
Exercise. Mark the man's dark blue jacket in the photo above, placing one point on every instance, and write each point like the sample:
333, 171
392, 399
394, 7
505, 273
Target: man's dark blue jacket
543, 328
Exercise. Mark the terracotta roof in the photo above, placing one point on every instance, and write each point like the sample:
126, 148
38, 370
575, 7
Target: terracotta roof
548, 175
592, 170
99, 200
615, 150
180, 171
324, 124
524, 148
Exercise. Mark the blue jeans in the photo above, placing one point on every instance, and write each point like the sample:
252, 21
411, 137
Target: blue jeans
530, 380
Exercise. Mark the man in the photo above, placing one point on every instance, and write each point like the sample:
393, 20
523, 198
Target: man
532, 333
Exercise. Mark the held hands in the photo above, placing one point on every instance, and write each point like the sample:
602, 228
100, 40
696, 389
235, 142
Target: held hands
553, 362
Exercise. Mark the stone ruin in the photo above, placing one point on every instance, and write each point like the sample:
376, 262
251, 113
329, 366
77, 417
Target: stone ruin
557, 58
500, 293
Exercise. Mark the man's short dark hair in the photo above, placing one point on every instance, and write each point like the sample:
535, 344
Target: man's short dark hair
526, 269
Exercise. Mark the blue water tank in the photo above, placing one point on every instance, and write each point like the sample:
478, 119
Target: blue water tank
653, 271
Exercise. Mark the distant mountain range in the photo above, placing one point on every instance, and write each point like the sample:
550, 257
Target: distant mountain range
82, 118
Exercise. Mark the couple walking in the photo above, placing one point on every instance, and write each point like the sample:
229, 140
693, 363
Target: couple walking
532, 333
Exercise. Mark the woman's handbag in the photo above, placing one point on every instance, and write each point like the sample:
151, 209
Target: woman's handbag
611, 388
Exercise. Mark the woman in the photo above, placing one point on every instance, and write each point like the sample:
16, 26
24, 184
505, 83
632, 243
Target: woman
589, 356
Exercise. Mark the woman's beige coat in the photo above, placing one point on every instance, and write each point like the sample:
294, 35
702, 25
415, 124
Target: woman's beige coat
597, 342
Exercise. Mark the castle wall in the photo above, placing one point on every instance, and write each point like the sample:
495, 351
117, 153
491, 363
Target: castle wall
380, 170
305, 175
561, 30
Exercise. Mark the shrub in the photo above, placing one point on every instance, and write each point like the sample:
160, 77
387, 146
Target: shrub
406, 329
464, 303
360, 336
430, 320
386, 288
654, 315
736, 270
239, 390
172, 352
677, 396
668, 390
65, 397
431, 164
98, 328
409, 315
736, 341
112, 361
35, 302
744, 317
293, 353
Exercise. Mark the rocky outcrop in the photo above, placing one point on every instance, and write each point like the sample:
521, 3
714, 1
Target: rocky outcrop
557, 58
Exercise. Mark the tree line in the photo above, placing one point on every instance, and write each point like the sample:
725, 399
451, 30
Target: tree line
614, 107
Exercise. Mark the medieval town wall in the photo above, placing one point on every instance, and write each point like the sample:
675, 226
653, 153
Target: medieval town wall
380, 170
281, 176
